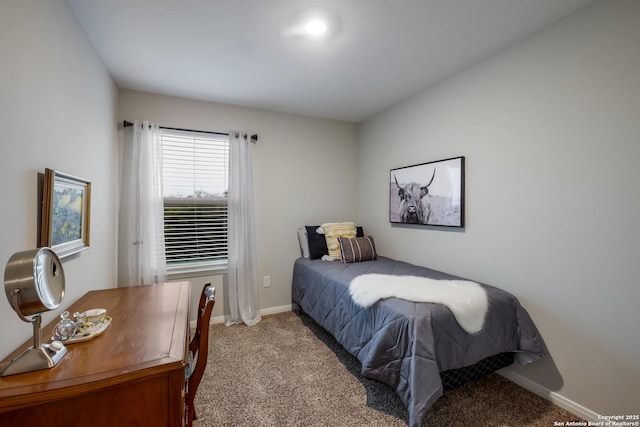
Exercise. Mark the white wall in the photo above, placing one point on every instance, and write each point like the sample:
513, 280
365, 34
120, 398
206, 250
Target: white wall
550, 129
57, 110
303, 171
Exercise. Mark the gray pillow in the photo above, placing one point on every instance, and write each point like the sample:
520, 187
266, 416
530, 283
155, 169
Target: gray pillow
304, 242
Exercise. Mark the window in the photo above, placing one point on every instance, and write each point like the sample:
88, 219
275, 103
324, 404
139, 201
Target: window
195, 189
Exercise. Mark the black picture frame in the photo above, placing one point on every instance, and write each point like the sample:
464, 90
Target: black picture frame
430, 194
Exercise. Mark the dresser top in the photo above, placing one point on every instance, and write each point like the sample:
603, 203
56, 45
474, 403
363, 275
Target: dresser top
148, 334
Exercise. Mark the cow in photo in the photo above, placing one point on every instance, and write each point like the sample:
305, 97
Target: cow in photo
414, 207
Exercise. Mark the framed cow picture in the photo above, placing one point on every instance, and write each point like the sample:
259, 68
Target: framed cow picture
428, 194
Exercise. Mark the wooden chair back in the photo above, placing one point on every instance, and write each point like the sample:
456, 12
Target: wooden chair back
195, 339
199, 348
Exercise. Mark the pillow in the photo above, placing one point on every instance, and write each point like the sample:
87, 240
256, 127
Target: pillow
317, 243
333, 230
357, 249
304, 242
359, 231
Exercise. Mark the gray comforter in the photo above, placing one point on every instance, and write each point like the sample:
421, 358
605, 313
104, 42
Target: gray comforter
406, 344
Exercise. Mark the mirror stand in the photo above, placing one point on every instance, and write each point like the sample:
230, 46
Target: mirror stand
38, 357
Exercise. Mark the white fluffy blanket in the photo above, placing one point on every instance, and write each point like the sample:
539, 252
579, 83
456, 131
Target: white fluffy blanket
467, 300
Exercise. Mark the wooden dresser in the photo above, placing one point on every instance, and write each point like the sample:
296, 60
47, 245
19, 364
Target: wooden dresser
131, 375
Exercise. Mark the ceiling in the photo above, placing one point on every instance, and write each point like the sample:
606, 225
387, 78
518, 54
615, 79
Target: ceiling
374, 54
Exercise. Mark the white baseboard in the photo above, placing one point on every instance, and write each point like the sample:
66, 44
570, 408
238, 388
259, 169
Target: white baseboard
265, 312
551, 396
276, 310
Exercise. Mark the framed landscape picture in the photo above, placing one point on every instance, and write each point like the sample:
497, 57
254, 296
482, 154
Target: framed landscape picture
66, 208
428, 194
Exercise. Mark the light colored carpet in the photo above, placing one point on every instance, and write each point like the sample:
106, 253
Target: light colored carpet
287, 371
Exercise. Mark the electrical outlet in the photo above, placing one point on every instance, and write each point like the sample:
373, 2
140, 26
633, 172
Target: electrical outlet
266, 281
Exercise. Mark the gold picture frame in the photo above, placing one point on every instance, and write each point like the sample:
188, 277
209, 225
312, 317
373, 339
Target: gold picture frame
66, 209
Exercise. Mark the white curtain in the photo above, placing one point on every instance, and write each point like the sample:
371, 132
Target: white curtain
141, 224
242, 259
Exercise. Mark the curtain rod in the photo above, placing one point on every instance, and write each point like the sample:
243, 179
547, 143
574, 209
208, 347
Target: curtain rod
254, 137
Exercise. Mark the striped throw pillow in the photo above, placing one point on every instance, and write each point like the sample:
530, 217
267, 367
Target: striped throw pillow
357, 249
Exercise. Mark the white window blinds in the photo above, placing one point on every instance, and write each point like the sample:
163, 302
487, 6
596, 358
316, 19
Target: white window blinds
195, 188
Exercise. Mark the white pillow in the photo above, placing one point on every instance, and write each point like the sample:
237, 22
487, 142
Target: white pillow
304, 242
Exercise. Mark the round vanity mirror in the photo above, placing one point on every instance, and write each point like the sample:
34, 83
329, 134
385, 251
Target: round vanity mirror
34, 281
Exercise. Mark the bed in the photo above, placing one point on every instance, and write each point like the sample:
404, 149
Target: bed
407, 345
